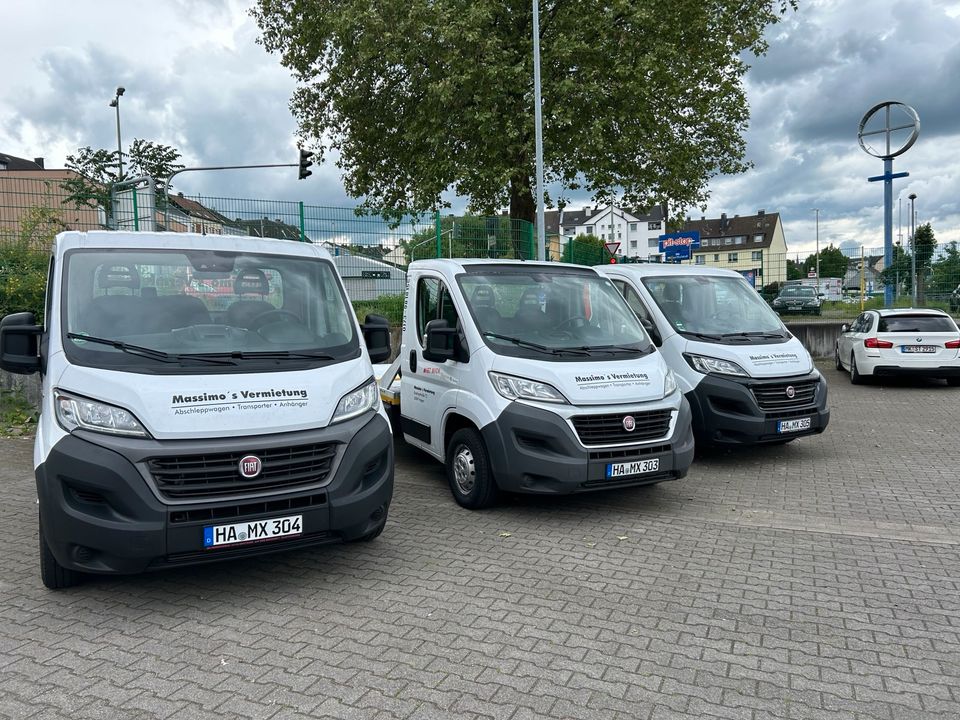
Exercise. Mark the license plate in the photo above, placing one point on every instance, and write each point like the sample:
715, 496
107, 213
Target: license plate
637, 467
252, 532
786, 426
918, 348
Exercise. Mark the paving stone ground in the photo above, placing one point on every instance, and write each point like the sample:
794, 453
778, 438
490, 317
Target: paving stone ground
813, 580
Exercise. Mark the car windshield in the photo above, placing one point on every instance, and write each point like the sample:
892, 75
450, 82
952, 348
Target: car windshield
917, 323
168, 310
798, 292
712, 306
562, 314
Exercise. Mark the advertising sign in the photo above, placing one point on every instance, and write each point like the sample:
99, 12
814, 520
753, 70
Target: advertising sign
679, 245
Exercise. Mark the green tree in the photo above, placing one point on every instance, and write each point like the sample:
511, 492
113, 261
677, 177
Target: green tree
98, 171
24, 258
795, 270
833, 263
945, 274
924, 244
898, 273
585, 250
420, 97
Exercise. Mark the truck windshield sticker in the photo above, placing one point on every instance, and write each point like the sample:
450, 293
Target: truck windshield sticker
239, 400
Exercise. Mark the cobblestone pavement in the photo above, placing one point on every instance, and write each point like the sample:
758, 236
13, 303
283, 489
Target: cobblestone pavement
813, 580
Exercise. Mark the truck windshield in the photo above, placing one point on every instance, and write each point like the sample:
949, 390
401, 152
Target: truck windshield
171, 311
557, 315
713, 307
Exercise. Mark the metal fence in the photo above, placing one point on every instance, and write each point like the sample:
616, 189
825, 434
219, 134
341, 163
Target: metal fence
372, 253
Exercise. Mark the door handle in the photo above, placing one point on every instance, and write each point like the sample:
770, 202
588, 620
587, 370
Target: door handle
413, 361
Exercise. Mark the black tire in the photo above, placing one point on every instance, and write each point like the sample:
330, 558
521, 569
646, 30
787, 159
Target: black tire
468, 470
953, 381
836, 359
54, 575
855, 377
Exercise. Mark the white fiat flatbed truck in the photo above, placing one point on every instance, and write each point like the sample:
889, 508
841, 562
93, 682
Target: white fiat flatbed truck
532, 377
749, 381
204, 398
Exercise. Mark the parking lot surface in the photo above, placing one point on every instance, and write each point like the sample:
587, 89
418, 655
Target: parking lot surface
819, 579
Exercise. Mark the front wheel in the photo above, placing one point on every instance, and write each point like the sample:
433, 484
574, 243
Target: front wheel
953, 381
468, 470
836, 359
54, 575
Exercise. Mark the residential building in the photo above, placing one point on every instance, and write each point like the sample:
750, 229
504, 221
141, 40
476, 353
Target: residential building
198, 218
637, 231
753, 245
267, 228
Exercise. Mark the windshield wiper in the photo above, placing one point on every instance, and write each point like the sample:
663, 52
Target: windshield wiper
145, 351
605, 348
759, 333
270, 355
706, 336
535, 346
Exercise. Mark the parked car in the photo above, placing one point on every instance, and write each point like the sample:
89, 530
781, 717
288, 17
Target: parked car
955, 300
916, 342
798, 299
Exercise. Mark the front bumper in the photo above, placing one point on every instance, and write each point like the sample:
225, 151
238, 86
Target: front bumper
726, 412
101, 514
535, 451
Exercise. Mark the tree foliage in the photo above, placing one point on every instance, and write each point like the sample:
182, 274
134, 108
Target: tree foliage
24, 258
946, 271
98, 171
833, 263
420, 97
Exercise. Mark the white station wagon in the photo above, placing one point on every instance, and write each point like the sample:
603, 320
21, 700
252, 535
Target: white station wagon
913, 341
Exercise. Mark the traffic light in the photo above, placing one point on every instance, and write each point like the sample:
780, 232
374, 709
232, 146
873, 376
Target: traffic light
305, 162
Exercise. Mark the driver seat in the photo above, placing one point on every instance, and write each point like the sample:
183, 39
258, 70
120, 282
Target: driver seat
242, 312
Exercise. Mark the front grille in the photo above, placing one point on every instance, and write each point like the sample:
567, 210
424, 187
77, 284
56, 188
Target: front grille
774, 397
217, 475
608, 429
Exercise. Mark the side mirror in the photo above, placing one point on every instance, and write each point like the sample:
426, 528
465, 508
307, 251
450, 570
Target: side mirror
19, 343
376, 335
651, 330
844, 328
441, 341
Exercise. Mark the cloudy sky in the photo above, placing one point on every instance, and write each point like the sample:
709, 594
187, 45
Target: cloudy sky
195, 79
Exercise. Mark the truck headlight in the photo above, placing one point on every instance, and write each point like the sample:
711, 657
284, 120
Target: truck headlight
514, 388
75, 412
706, 365
357, 402
669, 383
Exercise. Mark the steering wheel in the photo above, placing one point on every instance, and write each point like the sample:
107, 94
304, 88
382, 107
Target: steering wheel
577, 321
273, 316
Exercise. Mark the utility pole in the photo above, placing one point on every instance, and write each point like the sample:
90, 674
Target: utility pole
817, 211
913, 247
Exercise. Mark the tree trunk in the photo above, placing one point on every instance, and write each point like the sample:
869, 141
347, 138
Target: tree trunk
522, 207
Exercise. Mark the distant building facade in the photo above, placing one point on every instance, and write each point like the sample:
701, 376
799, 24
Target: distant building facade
753, 245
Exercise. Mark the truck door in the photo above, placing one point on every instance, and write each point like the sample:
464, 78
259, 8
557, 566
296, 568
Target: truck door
429, 389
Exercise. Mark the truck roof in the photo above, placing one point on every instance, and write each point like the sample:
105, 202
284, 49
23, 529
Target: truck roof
185, 241
461, 264
661, 269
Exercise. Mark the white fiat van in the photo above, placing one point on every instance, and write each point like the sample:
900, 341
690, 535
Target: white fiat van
748, 379
533, 378
204, 397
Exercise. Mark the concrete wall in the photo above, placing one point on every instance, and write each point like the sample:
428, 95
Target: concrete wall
819, 338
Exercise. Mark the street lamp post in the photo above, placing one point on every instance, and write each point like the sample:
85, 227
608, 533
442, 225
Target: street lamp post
538, 132
115, 103
817, 211
913, 248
